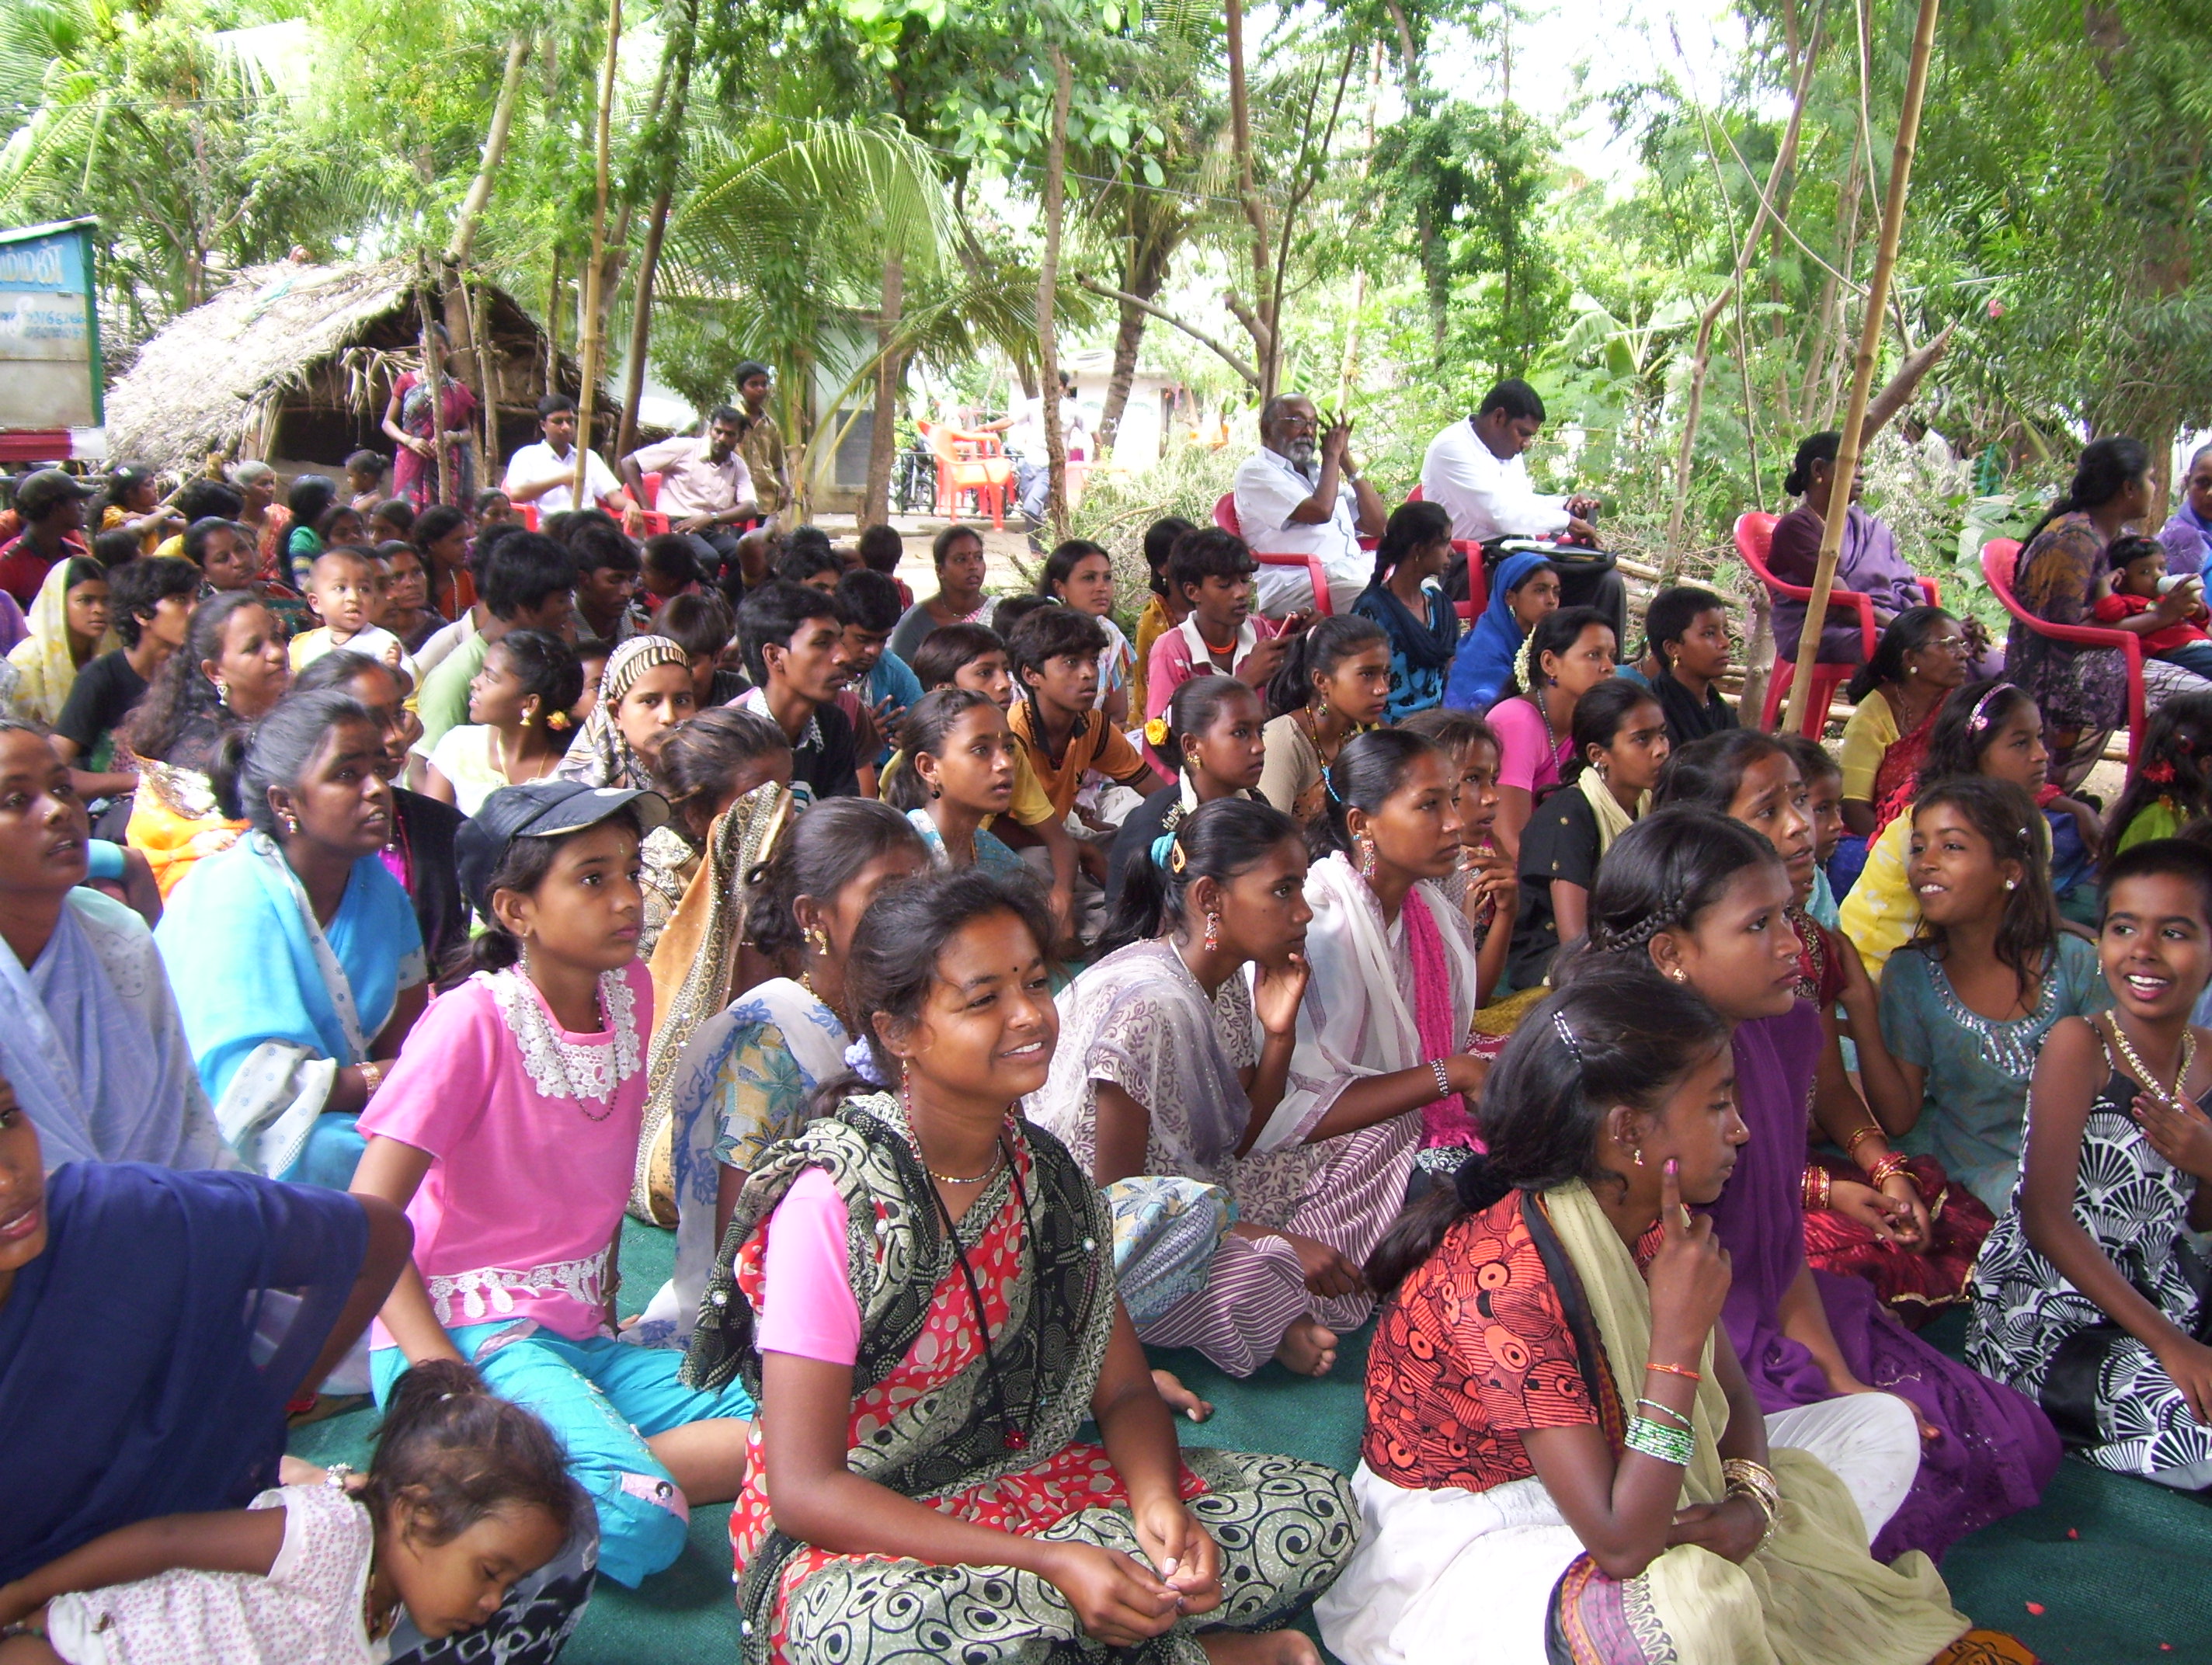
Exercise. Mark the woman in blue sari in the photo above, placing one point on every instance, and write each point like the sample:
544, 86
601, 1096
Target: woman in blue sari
89, 1030
1524, 587
296, 955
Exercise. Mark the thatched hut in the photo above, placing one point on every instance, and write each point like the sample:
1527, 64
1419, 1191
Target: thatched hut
293, 364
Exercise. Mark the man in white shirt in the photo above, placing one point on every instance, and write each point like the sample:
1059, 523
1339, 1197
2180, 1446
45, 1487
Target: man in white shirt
545, 473
1024, 437
1289, 500
706, 488
1476, 471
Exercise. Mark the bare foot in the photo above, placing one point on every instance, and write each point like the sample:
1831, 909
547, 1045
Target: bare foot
1259, 1647
1308, 1349
1180, 1398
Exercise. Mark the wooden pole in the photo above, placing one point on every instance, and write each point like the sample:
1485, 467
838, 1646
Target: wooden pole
1877, 303
594, 276
434, 380
1055, 180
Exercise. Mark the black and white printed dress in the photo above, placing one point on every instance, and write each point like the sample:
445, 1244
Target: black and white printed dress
2106, 1392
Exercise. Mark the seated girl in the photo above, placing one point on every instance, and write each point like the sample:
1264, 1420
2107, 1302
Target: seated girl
508, 1130
2170, 784
1170, 1058
1621, 745
1985, 728
1686, 636
1970, 1000
1210, 744
921, 1289
1567, 654
1523, 588
1703, 899
1922, 656
1407, 597
2084, 1295
1484, 886
711, 761
747, 1077
1385, 1026
518, 726
1334, 683
466, 1497
644, 692
1563, 1458
1824, 801
959, 774
1903, 1226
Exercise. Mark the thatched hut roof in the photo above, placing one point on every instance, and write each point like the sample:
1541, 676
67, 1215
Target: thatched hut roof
305, 339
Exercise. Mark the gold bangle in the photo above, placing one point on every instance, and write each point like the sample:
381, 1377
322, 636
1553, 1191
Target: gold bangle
1885, 1170
372, 1077
1851, 1146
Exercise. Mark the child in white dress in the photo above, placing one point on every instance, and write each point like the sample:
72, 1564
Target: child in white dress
467, 1494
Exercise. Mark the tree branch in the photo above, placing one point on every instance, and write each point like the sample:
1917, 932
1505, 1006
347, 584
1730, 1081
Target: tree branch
1241, 366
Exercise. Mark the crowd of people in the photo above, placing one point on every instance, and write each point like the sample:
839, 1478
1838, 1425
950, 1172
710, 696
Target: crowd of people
388, 918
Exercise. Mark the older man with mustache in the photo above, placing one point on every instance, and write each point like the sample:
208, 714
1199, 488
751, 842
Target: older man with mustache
1303, 493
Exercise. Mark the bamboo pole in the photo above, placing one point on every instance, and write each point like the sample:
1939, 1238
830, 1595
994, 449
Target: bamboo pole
1055, 181
594, 276
1877, 305
434, 378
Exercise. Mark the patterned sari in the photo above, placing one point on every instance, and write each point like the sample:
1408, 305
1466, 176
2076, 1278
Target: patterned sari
924, 1425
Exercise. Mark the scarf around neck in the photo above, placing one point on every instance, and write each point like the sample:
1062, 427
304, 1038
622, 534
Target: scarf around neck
1612, 819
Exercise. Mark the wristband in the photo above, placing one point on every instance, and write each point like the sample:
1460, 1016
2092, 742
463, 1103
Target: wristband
102, 859
1443, 1077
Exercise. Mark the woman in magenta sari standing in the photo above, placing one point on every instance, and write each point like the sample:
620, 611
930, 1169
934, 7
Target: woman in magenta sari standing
407, 423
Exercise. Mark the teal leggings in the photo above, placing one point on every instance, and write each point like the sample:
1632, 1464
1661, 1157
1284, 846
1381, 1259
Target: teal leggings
603, 1399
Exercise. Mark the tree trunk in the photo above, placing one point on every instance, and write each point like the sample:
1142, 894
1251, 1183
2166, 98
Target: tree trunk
648, 268
490, 392
1055, 205
434, 378
494, 148
1255, 318
594, 273
890, 376
553, 324
1146, 274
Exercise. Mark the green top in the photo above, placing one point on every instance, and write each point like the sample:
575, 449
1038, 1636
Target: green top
444, 701
2158, 819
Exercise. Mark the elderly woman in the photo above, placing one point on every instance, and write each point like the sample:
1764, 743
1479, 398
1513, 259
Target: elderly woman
2083, 691
89, 1034
296, 957
270, 521
231, 669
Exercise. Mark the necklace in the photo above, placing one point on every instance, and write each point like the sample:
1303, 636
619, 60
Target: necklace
582, 1071
2133, 1060
955, 1179
1551, 735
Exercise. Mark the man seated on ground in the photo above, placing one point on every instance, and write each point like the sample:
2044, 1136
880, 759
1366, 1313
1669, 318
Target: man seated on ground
706, 489
810, 558
545, 473
150, 601
1476, 471
793, 641
1303, 493
51, 505
883, 686
607, 582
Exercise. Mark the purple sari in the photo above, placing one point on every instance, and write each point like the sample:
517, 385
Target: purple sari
1997, 1451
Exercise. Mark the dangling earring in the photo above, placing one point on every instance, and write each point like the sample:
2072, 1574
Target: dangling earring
1639, 1154
292, 829
818, 940
222, 692
1213, 932
937, 792
1604, 769
1321, 711
1367, 858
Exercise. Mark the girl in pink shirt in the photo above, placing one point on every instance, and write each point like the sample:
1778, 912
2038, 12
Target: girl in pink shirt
1568, 654
508, 1131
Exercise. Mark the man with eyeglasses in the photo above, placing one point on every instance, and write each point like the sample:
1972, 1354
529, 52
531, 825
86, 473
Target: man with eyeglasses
1303, 493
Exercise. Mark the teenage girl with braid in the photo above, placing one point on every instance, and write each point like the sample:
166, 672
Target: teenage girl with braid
1703, 900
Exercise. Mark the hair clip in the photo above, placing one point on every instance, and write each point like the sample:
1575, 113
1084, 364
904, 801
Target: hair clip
861, 1059
1328, 781
1567, 1037
1978, 718
1178, 859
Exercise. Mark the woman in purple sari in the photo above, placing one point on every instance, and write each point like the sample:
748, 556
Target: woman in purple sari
1869, 560
1705, 901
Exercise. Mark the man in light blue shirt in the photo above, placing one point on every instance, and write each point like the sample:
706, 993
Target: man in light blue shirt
868, 603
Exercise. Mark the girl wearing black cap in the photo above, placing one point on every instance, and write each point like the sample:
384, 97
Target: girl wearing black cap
508, 1130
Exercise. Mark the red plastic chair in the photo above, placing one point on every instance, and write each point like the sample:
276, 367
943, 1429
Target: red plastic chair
2000, 559
969, 462
1224, 516
1754, 537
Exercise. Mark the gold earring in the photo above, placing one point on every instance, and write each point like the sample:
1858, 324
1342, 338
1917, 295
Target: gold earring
818, 939
1639, 1154
1679, 974
1213, 932
292, 828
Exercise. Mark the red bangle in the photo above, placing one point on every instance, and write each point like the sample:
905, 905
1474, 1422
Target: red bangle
1818, 1185
1682, 1371
1885, 1170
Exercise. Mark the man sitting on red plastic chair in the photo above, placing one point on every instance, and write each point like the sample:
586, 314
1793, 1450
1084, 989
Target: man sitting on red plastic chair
1302, 493
706, 488
1476, 470
544, 475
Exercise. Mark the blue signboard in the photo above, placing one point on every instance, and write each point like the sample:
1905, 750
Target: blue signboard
50, 376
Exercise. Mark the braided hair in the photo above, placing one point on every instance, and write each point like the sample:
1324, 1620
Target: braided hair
1660, 875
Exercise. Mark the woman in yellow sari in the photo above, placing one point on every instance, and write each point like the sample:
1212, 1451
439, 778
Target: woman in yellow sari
232, 668
1562, 1457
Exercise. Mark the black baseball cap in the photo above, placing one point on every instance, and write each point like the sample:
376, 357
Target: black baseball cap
539, 809
38, 492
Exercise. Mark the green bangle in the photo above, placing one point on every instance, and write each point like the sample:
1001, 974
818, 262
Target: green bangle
1655, 1439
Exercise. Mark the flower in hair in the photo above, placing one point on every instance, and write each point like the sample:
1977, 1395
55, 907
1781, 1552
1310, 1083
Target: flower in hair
558, 720
1155, 731
861, 1059
2160, 774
